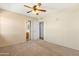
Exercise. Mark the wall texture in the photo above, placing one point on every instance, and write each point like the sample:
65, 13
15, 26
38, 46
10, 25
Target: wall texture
62, 27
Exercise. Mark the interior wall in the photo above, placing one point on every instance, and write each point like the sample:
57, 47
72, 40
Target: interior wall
62, 27
12, 26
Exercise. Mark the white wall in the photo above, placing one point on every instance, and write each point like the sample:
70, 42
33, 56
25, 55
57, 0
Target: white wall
62, 27
12, 28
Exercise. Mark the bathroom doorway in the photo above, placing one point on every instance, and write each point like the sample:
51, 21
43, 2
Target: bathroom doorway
28, 30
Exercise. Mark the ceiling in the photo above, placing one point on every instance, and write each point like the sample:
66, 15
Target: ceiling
50, 7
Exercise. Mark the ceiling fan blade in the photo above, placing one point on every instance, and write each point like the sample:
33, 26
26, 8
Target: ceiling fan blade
28, 6
39, 4
29, 11
42, 10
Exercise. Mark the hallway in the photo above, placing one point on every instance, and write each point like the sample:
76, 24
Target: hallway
37, 48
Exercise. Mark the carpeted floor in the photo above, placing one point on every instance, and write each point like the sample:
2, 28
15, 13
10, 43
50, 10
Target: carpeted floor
37, 48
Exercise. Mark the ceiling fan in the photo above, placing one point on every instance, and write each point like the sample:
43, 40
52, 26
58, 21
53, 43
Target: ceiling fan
36, 8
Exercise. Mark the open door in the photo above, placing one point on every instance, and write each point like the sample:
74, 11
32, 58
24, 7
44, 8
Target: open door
28, 30
41, 30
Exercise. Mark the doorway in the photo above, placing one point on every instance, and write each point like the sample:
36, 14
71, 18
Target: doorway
28, 30
41, 30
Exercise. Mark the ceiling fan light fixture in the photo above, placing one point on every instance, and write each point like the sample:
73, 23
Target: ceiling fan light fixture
35, 12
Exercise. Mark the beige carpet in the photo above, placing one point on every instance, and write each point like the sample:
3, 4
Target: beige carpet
37, 48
